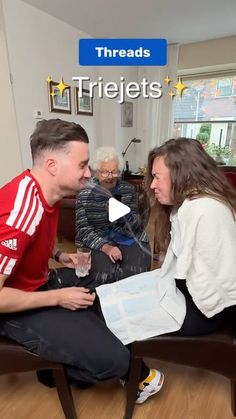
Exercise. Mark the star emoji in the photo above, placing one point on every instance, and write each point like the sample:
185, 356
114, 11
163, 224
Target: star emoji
49, 79
62, 86
172, 94
53, 94
180, 86
167, 80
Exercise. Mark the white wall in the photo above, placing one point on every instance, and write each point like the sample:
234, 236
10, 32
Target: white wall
40, 45
10, 158
111, 131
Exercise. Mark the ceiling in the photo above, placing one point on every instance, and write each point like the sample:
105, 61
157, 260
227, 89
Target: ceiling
179, 21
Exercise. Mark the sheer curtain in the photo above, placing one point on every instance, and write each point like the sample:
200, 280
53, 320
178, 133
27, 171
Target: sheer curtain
155, 116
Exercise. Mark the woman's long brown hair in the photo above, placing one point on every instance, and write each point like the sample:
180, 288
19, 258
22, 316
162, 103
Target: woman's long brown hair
193, 173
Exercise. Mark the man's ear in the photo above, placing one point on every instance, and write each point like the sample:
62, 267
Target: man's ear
51, 165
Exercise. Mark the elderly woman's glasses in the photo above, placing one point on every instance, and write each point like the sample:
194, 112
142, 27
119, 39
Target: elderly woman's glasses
107, 173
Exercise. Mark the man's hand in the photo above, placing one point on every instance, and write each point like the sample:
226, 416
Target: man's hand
70, 260
113, 252
74, 298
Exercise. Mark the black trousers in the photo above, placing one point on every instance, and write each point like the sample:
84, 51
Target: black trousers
79, 339
195, 322
135, 259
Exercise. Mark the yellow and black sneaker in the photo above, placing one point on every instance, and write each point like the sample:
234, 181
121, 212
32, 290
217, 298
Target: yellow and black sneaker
151, 385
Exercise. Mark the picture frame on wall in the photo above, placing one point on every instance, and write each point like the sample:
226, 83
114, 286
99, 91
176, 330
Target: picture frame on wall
84, 104
59, 102
127, 114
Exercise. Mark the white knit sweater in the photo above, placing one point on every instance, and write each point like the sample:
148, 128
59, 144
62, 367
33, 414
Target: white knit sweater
204, 241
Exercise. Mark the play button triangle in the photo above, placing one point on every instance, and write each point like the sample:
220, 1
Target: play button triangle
117, 209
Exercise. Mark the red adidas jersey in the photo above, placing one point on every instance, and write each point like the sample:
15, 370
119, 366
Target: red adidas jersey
28, 227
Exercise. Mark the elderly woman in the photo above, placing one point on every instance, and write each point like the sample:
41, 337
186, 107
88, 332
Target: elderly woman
120, 248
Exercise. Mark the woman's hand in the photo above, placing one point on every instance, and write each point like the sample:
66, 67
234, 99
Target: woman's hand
113, 252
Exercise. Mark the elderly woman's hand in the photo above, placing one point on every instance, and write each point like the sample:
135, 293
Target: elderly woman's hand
113, 252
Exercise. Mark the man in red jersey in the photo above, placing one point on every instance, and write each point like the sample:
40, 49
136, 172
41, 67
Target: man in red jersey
51, 322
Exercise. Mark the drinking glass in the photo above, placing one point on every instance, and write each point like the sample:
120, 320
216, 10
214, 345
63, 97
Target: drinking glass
83, 261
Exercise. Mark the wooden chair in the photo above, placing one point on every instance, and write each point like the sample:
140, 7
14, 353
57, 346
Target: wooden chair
16, 358
66, 222
230, 173
214, 352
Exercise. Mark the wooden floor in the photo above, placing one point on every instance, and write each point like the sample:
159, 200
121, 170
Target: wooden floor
187, 394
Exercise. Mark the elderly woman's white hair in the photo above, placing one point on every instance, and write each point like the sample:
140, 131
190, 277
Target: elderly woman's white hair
106, 154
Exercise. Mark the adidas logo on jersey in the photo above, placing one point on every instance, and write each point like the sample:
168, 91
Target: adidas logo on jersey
11, 244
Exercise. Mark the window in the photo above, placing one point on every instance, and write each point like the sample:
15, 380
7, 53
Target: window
224, 87
207, 112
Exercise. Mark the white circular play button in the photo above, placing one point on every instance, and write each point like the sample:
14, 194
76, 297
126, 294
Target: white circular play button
117, 209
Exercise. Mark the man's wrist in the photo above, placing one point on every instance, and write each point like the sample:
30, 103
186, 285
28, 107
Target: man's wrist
54, 297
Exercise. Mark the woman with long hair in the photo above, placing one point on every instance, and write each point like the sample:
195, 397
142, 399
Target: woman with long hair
196, 204
196, 285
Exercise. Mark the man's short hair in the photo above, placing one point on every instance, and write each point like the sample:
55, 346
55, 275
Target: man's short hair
55, 134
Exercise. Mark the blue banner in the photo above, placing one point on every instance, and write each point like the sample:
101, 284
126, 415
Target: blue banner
122, 52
